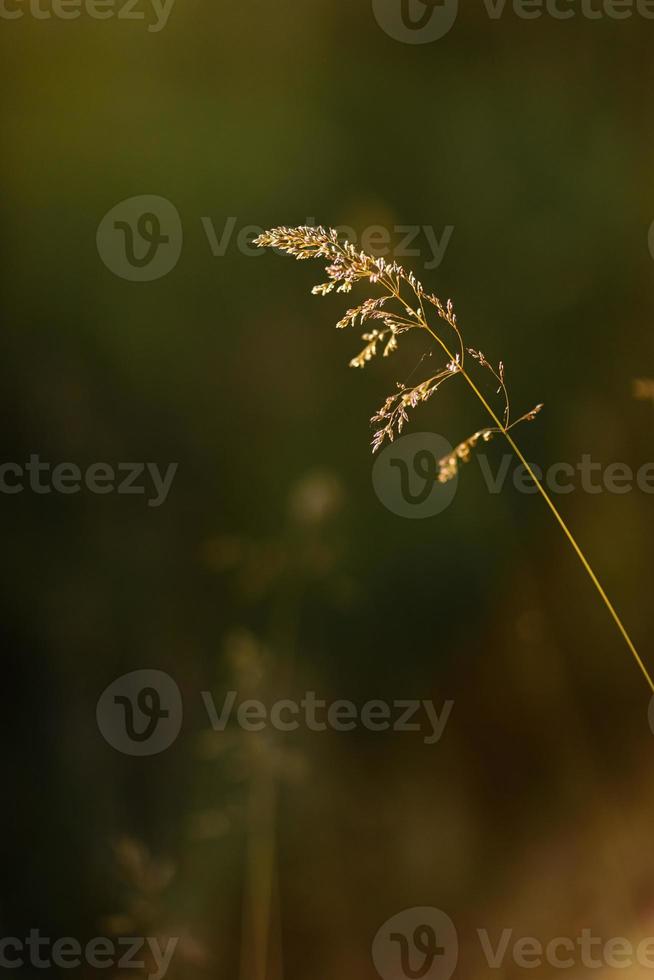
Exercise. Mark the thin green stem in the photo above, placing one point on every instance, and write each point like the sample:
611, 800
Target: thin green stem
550, 503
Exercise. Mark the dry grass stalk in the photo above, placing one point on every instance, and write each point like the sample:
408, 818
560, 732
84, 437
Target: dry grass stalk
405, 305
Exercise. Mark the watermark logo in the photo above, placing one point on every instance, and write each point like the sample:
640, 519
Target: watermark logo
141, 713
423, 21
141, 238
405, 476
416, 21
416, 944
423, 943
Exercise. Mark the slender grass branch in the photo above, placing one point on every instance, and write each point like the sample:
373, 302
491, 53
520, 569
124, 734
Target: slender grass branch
554, 509
346, 267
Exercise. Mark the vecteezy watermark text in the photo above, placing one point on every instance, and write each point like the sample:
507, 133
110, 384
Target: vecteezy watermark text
156, 12
98, 478
424, 21
405, 476
140, 239
99, 953
423, 942
317, 715
401, 241
141, 714
563, 478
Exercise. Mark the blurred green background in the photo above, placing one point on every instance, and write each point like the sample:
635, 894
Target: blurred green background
273, 567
